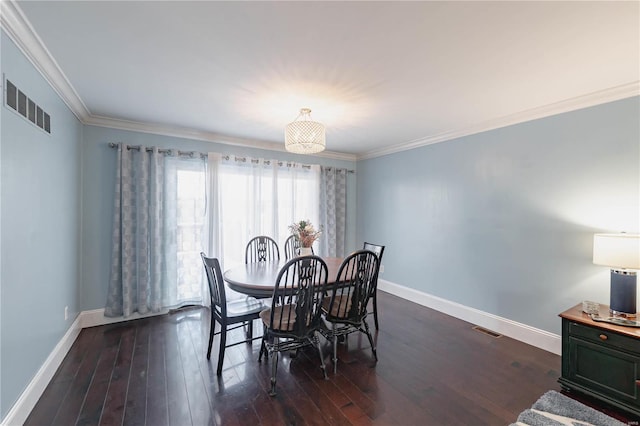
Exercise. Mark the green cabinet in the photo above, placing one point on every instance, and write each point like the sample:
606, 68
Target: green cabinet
601, 361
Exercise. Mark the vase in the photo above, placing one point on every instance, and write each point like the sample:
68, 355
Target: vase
305, 251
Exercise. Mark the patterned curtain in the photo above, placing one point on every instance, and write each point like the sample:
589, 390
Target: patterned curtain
157, 232
333, 210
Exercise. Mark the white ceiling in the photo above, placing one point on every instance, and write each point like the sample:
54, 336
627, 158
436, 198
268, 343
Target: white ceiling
382, 76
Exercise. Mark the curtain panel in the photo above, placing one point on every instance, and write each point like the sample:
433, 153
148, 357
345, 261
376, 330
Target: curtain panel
157, 219
333, 211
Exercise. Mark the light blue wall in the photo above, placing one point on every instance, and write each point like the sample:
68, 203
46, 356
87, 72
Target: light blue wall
503, 221
98, 182
39, 228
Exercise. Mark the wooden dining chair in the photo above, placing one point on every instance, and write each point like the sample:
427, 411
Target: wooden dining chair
378, 250
238, 313
291, 246
261, 249
345, 308
293, 320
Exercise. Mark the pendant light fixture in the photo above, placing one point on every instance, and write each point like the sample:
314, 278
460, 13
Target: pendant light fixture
303, 135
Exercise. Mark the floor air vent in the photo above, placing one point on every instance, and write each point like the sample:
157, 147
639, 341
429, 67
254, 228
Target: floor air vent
486, 331
26, 107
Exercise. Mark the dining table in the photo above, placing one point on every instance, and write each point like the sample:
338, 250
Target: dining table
259, 278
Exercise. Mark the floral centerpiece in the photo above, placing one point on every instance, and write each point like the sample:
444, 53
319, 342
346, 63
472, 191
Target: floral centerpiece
305, 233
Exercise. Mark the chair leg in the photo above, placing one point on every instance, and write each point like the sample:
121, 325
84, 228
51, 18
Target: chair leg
212, 330
249, 334
335, 349
263, 346
375, 309
223, 345
368, 333
335, 354
317, 343
274, 372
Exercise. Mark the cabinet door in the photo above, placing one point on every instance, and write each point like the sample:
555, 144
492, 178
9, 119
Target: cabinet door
605, 370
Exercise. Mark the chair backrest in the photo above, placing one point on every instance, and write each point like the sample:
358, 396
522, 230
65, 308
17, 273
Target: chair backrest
261, 249
291, 247
216, 285
295, 308
357, 276
377, 249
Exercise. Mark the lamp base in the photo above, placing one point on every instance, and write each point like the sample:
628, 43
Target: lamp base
623, 293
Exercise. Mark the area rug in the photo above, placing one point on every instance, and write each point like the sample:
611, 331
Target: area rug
555, 409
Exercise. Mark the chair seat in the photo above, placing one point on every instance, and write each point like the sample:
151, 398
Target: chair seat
245, 306
284, 315
340, 308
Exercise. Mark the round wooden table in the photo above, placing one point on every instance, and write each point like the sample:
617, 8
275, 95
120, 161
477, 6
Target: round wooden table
258, 279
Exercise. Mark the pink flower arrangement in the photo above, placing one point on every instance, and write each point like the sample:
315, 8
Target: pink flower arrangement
304, 232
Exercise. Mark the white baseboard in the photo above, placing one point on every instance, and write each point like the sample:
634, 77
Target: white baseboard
96, 317
18, 414
533, 336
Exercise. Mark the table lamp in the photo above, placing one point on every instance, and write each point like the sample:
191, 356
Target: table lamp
620, 252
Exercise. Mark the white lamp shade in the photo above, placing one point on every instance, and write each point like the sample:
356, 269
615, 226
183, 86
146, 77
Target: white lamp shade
617, 250
304, 136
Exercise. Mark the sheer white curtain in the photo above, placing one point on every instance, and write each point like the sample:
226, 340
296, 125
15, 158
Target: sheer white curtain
263, 197
185, 231
212, 242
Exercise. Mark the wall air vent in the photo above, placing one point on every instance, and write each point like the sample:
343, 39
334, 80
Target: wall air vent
16, 100
486, 331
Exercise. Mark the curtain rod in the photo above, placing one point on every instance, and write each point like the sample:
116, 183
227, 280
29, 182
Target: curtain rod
193, 154
161, 150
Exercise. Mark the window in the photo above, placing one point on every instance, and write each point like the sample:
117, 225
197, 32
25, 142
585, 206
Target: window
255, 198
189, 232
263, 197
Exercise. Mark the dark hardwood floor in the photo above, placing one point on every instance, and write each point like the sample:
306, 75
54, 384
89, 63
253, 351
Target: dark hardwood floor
432, 370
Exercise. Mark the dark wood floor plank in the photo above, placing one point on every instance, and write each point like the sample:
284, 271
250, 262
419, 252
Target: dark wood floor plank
136, 403
196, 390
113, 411
95, 398
178, 401
431, 369
324, 393
157, 403
62, 381
72, 404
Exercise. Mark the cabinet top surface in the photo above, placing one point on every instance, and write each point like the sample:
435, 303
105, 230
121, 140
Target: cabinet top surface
575, 314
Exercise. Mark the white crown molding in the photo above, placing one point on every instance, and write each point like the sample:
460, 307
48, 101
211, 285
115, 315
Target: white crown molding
18, 28
173, 131
603, 96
